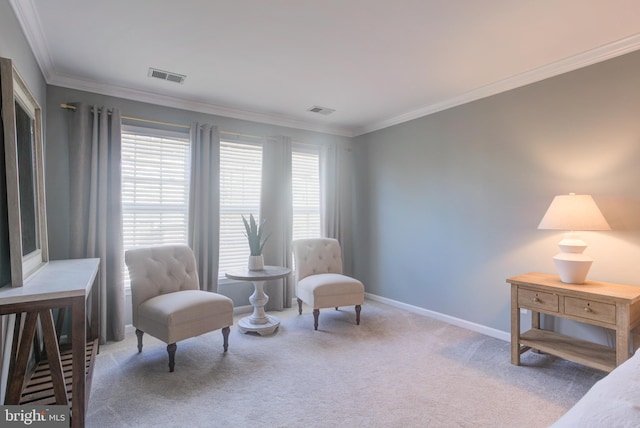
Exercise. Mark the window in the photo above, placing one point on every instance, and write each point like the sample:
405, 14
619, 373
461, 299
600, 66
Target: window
240, 181
305, 186
155, 187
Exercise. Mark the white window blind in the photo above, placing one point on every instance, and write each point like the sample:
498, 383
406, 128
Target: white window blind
155, 187
305, 185
240, 182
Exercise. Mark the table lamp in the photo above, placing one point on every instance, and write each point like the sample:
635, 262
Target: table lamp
573, 213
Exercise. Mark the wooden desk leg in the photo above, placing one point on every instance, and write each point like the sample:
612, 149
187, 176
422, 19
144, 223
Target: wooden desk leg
622, 334
515, 327
535, 319
78, 333
50, 339
535, 323
635, 340
16, 383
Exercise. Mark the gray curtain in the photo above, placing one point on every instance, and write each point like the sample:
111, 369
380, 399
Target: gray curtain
204, 203
276, 208
95, 212
336, 184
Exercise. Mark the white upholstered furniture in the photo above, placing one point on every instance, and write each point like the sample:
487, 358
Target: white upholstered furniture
167, 301
319, 279
613, 401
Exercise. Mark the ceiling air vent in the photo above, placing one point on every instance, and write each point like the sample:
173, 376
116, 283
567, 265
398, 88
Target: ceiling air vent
166, 75
321, 110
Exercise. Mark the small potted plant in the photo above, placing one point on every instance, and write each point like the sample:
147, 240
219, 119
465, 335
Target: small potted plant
256, 242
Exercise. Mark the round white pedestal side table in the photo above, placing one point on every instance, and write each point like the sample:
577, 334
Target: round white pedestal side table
259, 322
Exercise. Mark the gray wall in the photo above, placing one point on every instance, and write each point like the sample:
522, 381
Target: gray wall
446, 205
57, 177
57, 153
449, 203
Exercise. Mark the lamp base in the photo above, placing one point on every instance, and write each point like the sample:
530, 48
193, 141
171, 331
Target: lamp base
572, 267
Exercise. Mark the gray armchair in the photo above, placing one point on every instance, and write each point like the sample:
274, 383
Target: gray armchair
167, 301
319, 279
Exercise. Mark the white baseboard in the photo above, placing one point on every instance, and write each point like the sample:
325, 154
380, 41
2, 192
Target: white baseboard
479, 328
239, 310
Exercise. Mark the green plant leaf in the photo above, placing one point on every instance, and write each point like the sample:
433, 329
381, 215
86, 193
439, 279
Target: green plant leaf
254, 234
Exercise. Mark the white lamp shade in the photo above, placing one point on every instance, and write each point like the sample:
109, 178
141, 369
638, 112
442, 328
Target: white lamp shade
573, 212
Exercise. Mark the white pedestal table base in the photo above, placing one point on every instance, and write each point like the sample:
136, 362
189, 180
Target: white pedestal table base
265, 329
259, 322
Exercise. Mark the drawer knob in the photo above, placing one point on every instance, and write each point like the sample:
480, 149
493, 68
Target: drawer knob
587, 309
536, 300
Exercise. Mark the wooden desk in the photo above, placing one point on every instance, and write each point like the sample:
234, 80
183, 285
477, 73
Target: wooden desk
604, 304
60, 284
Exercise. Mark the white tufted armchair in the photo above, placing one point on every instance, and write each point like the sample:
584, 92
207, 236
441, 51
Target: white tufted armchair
167, 301
319, 279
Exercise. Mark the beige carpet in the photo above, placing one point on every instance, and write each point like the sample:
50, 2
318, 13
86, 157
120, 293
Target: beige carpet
396, 369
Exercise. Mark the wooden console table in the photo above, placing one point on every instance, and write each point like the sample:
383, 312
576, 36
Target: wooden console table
604, 304
64, 377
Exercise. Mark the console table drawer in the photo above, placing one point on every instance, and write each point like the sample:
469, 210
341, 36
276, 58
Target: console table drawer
537, 300
590, 309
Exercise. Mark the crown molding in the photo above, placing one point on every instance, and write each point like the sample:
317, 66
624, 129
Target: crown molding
565, 65
27, 16
184, 104
29, 21
32, 28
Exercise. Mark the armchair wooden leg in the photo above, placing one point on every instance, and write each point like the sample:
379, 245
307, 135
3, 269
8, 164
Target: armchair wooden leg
139, 333
299, 307
358, 307
316, 315
225, 335
171, 349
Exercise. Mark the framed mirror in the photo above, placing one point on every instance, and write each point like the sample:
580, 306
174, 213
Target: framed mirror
24, 164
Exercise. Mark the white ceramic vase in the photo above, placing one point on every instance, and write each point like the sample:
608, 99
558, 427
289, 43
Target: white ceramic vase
256, 262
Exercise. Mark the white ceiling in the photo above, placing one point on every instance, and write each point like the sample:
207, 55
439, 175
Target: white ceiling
376, 62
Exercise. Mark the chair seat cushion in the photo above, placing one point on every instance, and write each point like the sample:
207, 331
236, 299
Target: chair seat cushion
175, 316
330, 289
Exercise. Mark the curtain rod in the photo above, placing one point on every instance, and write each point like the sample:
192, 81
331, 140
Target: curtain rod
160, 122
138, 119
182, 125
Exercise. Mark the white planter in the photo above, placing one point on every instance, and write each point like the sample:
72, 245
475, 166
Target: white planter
256, 262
